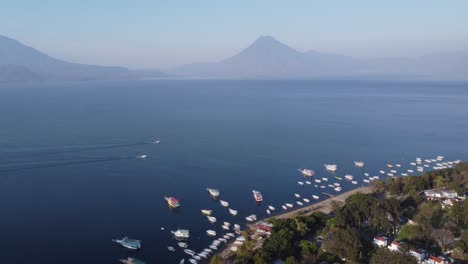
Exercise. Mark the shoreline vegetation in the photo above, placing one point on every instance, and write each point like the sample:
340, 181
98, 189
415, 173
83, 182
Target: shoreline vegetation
343, 228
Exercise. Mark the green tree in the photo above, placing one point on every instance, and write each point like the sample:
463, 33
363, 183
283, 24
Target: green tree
216, 259
343, 242
308, 251
385, 256
290, 260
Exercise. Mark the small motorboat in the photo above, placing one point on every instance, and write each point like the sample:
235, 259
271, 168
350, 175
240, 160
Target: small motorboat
142, 156
366, 174
315, 197
284, 207
128, 243
171, 249
212, 219
297, 195
224, 203
308, 182
354, 182
268, 211
289, 205
232, 212
182, 244
211, 232
306, 200
299, 203
300, 183
271, 208
206, 211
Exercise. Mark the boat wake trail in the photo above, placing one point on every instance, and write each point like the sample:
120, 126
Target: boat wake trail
49, 164
54, 151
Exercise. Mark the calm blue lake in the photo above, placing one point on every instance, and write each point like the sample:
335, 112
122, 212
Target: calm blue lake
70, 182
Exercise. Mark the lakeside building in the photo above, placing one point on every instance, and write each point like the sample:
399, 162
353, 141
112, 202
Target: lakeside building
394, 246
419, 254
380, 241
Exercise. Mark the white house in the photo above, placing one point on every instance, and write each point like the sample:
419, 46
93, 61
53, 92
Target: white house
419, 254
432, 194
436, 260
449, 194
380, 241
394, 246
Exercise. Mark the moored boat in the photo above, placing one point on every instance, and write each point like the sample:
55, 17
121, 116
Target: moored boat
348, 177
172, 202
128, 243
232, 212
212, 219
181, 233
213, 192
307, 172
359, 164
315, 197
330, 167
257, 196
224, 203
206, 211
211, 232
271, 208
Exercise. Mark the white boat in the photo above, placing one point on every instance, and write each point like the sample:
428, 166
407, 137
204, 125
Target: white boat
212, 219
410, 171
300, 203
284, 207
226, 223
189, 252
338, 189
268, 211
393, 171
336, 184
331, 185
213, 247
306, 200
142, 156
318, 181
224, 203
330, 167
250, 219
289, 205
315, 197
225, 227
171, 249
181, 233
213, 192
324, 179
271, 208
433, 160
366, 181
382, 172
390, 174
427, 161
128, 243
440, 157
322, 186
206, 211
389, 166
359, 164
233, 249
182, 261
398, 165
300, 183
236, 226
348, 177
413, 163
232, 212
308, 182
366, 174
354, 182
297, 195
315, 185
182, 244
404, 174
307, 172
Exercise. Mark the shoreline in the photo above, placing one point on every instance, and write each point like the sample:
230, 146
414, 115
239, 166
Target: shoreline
322, 206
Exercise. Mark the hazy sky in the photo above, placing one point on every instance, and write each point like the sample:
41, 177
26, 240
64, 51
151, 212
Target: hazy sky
159, 34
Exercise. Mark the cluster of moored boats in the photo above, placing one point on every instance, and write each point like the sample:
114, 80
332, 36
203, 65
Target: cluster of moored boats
233, 231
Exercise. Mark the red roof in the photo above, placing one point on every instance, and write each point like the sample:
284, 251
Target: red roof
266, 228
395, 243
381, 239
436, 259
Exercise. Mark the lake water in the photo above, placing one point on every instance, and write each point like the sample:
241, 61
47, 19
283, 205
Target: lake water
70, 182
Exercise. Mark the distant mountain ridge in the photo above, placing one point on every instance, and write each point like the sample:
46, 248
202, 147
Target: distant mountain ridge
266, 57
19, 62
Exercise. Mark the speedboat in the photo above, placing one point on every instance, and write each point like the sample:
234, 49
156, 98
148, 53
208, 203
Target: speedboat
366, 174
393, 171
236, 226
300, 183
324, 179
359, 164
171, 249
128, 243
307, 172
206, 211
338, 178
226, 223
213, 192
330, 167
366, 181
182, 244
224, 203
390, 174
306, 200
404, 174
172, 202
271, 208
142, 156
354, 182
284, 207
410, 171
212, 219
382, 172
155, 142
268, 211
211, 232
189, 252
257, 196
389, 166
331, 185
398, 165
232, 211
225, 227
336, 184
130, 260
181, 233
318, 181
315, 197
308, 182
300, 203
413, 163
338, 189
348, 177
297, 195
322, 186
289, 205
